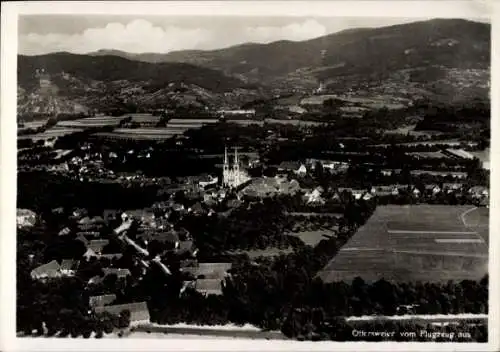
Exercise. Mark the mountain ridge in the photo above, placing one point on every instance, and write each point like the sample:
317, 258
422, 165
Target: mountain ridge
446, 60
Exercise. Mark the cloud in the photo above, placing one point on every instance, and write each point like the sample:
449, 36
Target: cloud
295, 31
139, 36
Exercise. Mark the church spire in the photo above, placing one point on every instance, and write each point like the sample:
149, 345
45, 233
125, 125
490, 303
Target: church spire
226, 162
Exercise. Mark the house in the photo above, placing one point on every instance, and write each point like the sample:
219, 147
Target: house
479, 191
139, 312
432, 189
83, 239
90, 254
120, 273
111, 256
144, 216
416, 192
100, 301
366, 196
97, 246
86, 234
314, 197
95, 280
197, 209
381, 191
450, 187
209, 286
164, 237
210, 180
79, 213
110, 215
358, 193
49, 270
69, 267
185, 247
302, 170
64, 232
26, 218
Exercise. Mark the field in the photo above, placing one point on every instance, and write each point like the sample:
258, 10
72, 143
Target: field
141, 133
100, 121
430, 155
415, 243
51, 133
293, 122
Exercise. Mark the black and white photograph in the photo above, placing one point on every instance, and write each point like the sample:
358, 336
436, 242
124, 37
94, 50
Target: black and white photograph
267, 178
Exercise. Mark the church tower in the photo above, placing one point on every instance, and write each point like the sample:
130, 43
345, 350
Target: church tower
236, 168
225, 172
232, 175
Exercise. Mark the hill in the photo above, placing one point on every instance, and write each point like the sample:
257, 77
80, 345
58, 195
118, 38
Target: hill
104, 81
442, 58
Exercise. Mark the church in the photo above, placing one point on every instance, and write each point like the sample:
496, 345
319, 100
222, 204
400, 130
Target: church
233, 175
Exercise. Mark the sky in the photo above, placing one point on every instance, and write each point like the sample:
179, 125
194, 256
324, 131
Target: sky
41, 34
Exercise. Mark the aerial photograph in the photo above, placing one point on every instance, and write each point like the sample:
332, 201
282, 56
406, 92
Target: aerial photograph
244, 177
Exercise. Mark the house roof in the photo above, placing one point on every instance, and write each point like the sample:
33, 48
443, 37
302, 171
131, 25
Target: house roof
103, 300
453, 185
95, 280
185, 246
118, 272
97, 245
478, 189
69, 264
209, 286
65, 231
49, 269
168, 236
138, 311
197, 207
112, 256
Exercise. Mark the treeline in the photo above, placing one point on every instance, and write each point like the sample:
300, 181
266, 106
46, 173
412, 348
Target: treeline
42, 191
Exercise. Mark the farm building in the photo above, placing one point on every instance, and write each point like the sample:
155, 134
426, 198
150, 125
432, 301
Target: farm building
139, 312
100, 301
25, 218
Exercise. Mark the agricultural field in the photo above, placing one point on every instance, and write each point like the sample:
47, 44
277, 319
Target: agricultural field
246, 122
51, 133
144, 118
141, 133
293, 122
430, 155
415, 243
100, 121
193, 121
33, 124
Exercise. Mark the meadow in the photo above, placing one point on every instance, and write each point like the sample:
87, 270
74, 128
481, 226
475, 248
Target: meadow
411, 243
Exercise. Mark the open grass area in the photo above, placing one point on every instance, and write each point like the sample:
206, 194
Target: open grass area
312, 238
99, 121
415, 243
